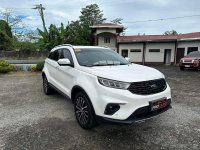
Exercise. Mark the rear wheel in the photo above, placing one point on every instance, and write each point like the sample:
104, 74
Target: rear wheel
182, 68
84, 111
46, 87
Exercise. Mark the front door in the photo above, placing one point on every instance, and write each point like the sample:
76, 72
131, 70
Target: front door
125, 53
66, 73
167, 56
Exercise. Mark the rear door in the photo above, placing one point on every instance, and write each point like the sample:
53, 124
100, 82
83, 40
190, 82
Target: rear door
53, 67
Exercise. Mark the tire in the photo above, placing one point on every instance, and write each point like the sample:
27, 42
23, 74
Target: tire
182, 68
46, 87
84, 111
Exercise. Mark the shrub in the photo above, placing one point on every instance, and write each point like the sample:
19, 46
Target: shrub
17, 68
33, 68
5, 66
40, 66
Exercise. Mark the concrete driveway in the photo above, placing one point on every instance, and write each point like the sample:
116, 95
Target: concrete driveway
31, 120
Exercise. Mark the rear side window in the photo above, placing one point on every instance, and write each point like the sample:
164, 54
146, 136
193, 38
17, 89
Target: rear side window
54, 55
51, 55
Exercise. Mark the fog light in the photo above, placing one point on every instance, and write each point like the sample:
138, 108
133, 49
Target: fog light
111, 109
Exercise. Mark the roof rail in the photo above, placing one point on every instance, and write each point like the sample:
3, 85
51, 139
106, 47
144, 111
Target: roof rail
63, 45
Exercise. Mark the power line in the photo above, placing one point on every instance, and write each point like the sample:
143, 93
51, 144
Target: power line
162, 19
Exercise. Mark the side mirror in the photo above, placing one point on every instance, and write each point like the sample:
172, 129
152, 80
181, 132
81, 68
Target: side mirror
64, 62
127, 58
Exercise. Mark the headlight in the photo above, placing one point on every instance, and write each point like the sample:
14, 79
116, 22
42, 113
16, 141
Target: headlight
113, 83
181, 60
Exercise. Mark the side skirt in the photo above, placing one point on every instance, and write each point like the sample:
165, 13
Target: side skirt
59, 91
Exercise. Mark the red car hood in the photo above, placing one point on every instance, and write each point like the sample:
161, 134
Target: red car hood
190, 58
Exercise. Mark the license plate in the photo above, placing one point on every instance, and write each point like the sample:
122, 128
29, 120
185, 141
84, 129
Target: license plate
187, 65
158, 104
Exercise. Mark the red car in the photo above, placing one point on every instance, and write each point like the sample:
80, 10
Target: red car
192, 60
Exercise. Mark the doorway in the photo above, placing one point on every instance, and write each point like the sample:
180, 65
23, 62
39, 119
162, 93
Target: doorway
179, 54
125, 53
192, 49
167, 56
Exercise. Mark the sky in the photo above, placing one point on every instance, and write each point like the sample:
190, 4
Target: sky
135, 13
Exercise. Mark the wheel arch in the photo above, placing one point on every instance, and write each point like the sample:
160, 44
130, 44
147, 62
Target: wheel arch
77, 89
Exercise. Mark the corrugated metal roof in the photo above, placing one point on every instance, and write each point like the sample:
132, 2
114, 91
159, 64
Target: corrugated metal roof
138, 38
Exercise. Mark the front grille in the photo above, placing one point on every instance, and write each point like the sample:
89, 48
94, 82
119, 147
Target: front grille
187, 61
148, 87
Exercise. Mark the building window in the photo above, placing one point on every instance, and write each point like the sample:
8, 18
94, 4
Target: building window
106, 39
154, 50
135, 50
125, 53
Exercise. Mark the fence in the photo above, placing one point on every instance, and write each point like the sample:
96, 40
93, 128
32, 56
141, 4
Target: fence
19, 55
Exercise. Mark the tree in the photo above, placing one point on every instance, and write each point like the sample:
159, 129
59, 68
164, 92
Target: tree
76, 32
11, 19
4, 27
5, 41
117, 21
91, 15
172, 32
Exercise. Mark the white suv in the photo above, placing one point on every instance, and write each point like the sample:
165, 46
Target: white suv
105, 87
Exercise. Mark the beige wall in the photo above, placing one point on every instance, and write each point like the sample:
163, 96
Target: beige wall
112, 43
158, 56
98, 31
134, 56
149, 56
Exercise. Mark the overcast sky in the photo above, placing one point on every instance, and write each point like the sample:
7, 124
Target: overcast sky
129, 10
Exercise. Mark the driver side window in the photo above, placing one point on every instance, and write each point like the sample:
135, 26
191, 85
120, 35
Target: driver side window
66, 54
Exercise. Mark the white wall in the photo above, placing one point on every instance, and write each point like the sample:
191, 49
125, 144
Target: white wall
158, 56
149, 56
186, 44
134, 56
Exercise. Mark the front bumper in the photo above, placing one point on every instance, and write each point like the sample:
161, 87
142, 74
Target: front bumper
139, 115
128, 101
190, 65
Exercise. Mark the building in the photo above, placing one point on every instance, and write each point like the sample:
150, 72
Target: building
148, 49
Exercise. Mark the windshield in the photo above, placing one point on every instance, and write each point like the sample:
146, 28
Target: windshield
99, 57
194, 54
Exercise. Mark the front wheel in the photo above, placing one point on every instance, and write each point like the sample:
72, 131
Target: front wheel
84, 111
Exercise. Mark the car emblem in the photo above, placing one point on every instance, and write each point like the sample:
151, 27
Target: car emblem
154, 86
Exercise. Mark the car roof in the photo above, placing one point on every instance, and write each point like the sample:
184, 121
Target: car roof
77, 47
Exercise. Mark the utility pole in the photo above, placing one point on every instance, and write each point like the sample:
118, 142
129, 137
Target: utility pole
40, 8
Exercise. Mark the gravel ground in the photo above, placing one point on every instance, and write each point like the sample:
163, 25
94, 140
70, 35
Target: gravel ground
31, 120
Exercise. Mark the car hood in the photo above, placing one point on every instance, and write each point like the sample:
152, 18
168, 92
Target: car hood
126, 73
190, 58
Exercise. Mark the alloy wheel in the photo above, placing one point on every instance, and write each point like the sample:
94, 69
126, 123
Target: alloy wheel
81, 110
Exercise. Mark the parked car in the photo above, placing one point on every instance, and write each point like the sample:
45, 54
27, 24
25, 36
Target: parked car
192, 60
104, 86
